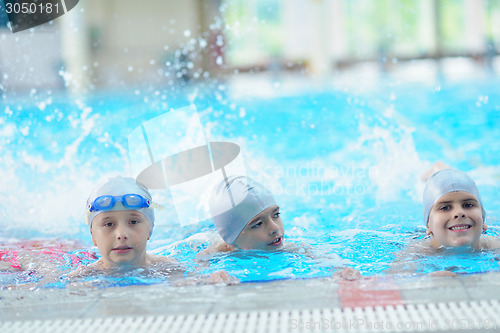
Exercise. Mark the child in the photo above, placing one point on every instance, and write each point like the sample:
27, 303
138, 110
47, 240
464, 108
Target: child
454, 213
246, 216
121, 219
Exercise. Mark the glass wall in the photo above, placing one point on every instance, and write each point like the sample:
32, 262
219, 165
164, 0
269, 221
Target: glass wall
259, 31
254, 30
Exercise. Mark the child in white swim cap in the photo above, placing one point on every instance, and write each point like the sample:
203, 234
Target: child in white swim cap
454, 213
246, 215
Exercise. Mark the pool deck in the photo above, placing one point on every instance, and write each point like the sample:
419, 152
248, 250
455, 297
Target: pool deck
303, 294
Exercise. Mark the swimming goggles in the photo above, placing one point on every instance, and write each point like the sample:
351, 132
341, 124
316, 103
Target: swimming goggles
107, 202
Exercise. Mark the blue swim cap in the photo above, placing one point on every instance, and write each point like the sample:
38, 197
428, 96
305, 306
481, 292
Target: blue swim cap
119, 186
234, 202
446, 181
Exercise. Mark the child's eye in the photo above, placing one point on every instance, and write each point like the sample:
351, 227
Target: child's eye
257, 225
468, 205
444, 208
134, 221
109, 224
277, 215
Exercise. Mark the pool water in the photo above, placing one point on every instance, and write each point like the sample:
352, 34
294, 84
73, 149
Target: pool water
343, 163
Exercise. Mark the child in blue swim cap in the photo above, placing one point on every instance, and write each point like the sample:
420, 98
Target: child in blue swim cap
454, 213
121, 219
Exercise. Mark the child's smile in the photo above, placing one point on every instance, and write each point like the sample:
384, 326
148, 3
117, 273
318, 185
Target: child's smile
456, 220
277, 242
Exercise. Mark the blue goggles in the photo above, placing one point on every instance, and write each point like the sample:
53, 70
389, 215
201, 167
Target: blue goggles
107, 202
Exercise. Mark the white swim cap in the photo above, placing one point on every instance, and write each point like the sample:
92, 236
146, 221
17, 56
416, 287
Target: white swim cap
116, 187
234, 202
446, 181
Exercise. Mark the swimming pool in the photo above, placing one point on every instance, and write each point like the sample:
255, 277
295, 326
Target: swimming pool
343, 163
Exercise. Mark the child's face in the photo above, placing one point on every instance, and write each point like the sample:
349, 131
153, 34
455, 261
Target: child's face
264, 232
456, 220
121, 237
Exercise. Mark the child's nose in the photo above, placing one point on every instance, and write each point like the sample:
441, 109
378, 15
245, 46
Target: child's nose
121, 233
459, 212
273, 227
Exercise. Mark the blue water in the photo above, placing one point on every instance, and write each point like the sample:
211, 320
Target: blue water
344, 165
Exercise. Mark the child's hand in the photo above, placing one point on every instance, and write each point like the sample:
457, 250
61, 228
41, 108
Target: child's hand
349, 274
444, 273
222, 277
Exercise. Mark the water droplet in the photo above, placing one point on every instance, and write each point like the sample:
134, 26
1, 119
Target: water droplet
243, 112
220, 41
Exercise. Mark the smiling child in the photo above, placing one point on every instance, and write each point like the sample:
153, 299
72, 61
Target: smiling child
454, 213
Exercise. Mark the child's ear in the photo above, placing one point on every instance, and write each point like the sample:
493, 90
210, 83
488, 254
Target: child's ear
485, 227
428, 231
93, 240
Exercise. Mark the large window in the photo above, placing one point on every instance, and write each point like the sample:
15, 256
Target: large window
257, 29
254, 31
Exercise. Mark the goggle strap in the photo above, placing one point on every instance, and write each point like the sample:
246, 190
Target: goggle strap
156, 206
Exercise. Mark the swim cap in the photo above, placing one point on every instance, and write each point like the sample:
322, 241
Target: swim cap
446, 181
118, 186
234, 202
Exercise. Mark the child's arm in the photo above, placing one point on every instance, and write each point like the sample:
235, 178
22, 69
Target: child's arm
492, 243
84, 270
7, 266
437, 166
216, 247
